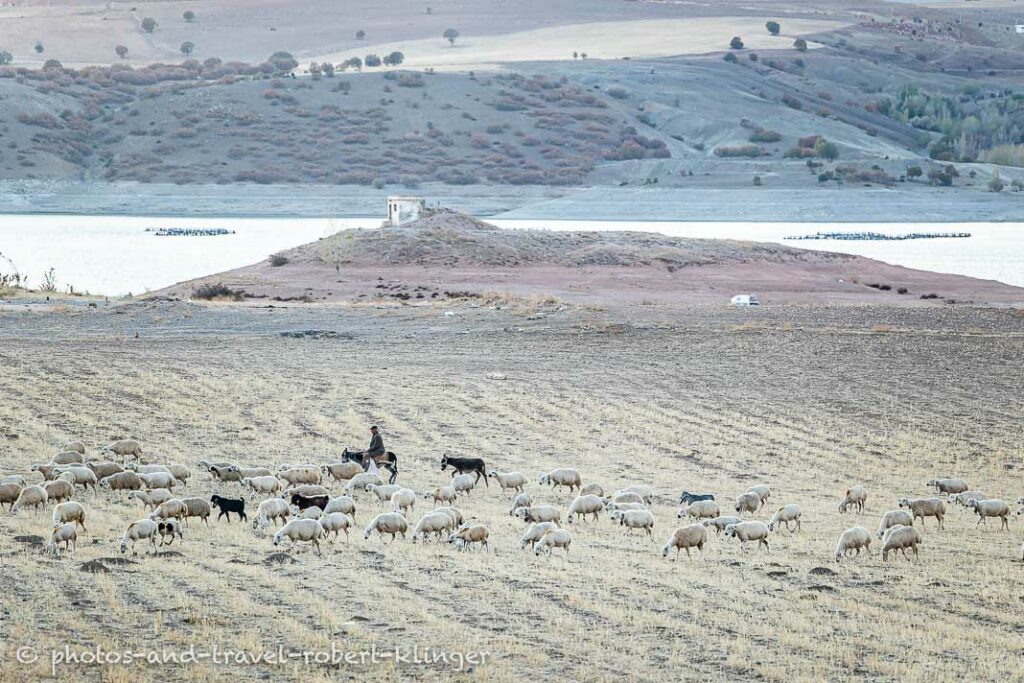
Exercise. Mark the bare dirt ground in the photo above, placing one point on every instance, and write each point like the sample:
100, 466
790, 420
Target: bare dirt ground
808, 399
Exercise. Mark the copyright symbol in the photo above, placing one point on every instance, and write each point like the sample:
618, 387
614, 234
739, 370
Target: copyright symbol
26, 655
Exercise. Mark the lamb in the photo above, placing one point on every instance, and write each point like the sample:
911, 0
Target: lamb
749, 531
701, 509
342, 471
442, 494
66, 534
585, 505
266, 485
523, 500
14, 479
151, 498
925, 507
383, 491
104, 469
719, 523
853, 539
59, 490
169, 527
9, 493
140, 530
159, 480
391, 523
336, 521
124, 448
592, 490
229, 505
564, 476
900, 538
748, 502
638, 519
991, 508
302, 530
856, 496
30, 496
74, 445
785, 515
433, 522
948, 486
175, 507
556, 538
892, 518
361, 481
510, 480
468, 535
123, 481
68, 458
463, 483
69, 512
762, 491
83, 476
536, 532
341, 504
271, 510
686, 537
301, 475
197, 507
539, 513
403, 500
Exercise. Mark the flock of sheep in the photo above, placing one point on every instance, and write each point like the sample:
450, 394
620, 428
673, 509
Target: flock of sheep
296, 497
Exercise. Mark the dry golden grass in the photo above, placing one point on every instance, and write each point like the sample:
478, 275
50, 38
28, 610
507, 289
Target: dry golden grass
701, 408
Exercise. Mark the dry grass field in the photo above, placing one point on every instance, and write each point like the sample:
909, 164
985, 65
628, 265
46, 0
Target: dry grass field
806, 399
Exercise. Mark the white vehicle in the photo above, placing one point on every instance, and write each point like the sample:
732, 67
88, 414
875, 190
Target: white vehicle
745, 300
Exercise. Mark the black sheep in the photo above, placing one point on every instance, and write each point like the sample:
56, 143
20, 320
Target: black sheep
229, 505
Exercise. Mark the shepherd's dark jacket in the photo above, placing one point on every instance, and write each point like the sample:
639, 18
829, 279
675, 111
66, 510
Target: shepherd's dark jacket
376, 446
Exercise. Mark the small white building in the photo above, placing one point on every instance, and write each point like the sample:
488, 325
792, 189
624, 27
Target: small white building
1020, 28
403, 210
745, 300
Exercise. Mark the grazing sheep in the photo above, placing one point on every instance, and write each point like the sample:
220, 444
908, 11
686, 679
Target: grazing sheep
510, 480
556, 538
30, 496
159, 480
468, 535
892, 518
69, 512
175, 507
463, 483
74, 445
229, 505
151, 498
344, 504
762, 491
301, 475
336, 522
539, 513
701, 509
312, 512
307, 490
208, 466
139, 468
9, 494
686, 537
391, 523
15, 479
454, 513
948, 486
592, 490
122, 481
645, 492
991, 508
48, 470
66, 534
523, 500
302, 530
962, 498
271, 510
749, 531
626, 497
83, 476
638, 519
433, 522
856, 496
719, 523
536, 532
342, 471
267, 485
585, 505
59, 490
169, 527
563, 476
246, 472
925, 507
140, 530
900, 538
197, 507
403, 500
226, 473
68, 458
124, 448
853, 539
383, 491
104, 469
785, 515
361, 481
615, 510
748, 502
442, 494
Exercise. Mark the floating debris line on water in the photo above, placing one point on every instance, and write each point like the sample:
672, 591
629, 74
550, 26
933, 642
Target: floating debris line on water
878, 236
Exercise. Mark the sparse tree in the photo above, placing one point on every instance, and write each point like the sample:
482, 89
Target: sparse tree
328, 69
282, 61
824, 149
187, 47
189, 16
52, 64
315, 71
394, 59
736, 43
39, 47
360, 34
5, 57
583, 55
914, 172
148, 24
429, 10
575, 55
121, 51
355, 63
995, 183
450, 34
800, 44
731, 58
371, 60
773, 27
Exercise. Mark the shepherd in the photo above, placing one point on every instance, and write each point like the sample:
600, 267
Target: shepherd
376, 449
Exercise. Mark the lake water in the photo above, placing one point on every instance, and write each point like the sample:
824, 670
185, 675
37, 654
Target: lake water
114, 255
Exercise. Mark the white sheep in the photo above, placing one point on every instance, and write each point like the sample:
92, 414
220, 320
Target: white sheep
342, 471
643, 490
48, 470
684, 538
856, 496
140, 530
361, 481
536, 531
563, 476
301, 530
539, 513
762, 491
463, 483
312, 512
925, 507
700, 509
383, 491
991, 508
151, 498
208, 466
309, 474
74, 445
307, 491
124, 448
197, 507
243, 472
266, 485
336, 522
169, 528
69, 512
510, 480
104, 469
948, 486
174, 507
433, 522
892, 518
30, 497
180, 473
14, 479
900, 538
625, 497
853, 540
785, 515
454, 513
585, 505
468, 535
344, 504
442, 494
159, 480
962, 498
66, 534
83, 476
592, 489
68, 458
271, 510
749, 531
139, 468
122, 481
391, 523
225, 473
748, 502
556, 538
638, 519
9, 493
403, 500
523, 500
719, 523
59, 490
